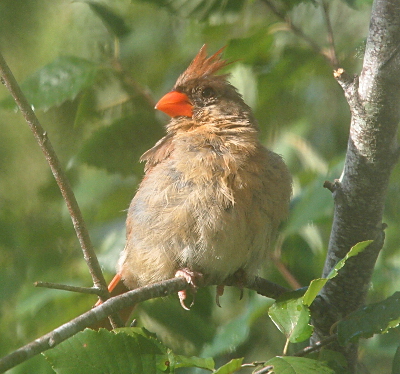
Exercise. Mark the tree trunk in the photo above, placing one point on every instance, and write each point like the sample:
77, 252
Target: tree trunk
372, 151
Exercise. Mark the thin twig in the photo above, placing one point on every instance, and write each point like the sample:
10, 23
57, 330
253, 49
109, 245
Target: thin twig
41, 137
295, 29
316, 346
331, 41
59, 175
65, 287
111, 307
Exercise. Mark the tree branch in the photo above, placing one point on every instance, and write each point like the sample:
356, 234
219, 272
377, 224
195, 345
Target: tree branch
41, 136
115, 304
332, 50
59, 175
371, 154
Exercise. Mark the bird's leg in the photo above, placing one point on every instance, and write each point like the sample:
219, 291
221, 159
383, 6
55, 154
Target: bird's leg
192, 277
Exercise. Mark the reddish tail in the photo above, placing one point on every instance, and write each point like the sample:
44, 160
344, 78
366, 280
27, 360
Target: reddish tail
116, 287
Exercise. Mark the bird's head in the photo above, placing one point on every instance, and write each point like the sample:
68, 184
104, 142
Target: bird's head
203, 96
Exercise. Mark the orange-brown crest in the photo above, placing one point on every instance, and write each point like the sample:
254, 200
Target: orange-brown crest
202, 65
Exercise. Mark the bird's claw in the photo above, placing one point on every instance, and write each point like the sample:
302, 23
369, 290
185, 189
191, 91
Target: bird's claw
219, 293
191, 278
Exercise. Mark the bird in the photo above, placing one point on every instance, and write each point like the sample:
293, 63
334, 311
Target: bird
212, 196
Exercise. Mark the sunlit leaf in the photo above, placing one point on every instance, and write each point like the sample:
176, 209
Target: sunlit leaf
298, 365
198, 362
355, 250
124, 351
372, 319
316, 285
231, 367
93, 352
291, 316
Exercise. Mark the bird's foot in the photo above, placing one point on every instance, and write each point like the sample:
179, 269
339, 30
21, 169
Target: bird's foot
219, 293
240, 278
192, 277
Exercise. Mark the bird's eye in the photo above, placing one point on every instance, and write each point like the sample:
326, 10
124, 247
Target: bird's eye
207, 92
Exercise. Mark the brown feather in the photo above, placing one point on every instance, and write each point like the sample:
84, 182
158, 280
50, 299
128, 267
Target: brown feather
203, 66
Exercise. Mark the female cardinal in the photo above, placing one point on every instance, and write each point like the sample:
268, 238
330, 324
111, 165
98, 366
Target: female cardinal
212, 197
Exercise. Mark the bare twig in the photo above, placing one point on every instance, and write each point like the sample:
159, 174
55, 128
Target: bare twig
64, 287
316, 346
59, 175
111, 307
79, 225
295, 29
89, 318
332, 49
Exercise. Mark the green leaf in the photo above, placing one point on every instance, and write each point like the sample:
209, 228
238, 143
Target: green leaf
298, 365
61, 80
114, 23
317, 284
291, 312
235, 332
396, 362
358, 248
291, 316
94, 352
118, 147
372, 319
230, 367
123, 351
198, 362
254, 49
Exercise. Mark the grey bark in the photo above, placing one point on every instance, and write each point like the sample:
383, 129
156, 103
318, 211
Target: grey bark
372, 151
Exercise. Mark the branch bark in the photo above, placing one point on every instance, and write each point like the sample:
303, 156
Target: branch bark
41, 137
113, 306
372, 152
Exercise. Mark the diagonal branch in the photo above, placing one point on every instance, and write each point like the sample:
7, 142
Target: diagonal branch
59, 175
112, 306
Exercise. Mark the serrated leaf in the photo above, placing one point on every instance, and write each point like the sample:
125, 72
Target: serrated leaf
291, 316
372, 319
358, 248
61, 80
230, 367
317, 284
313, 290
298, 365
94, 352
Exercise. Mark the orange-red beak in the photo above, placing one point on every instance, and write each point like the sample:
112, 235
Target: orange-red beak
175, 104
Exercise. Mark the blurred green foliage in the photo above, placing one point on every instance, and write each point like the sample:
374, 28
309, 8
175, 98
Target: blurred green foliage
105, 65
